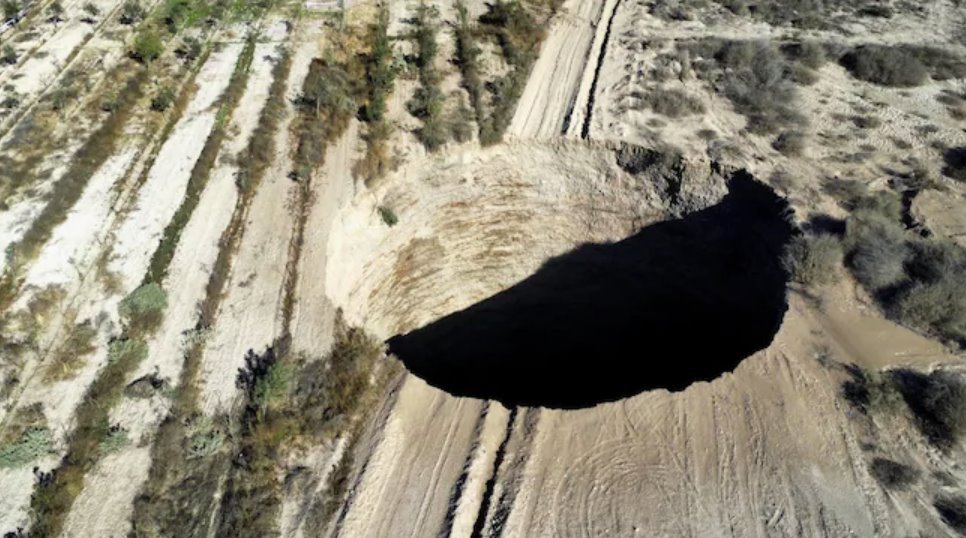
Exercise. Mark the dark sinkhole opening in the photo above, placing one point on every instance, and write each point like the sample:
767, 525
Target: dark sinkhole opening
681, 301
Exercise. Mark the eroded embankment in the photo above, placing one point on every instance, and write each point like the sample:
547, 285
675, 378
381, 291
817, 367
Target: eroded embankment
489, 280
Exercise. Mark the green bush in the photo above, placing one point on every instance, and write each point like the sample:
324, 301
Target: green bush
467, 58
380, 71
115, 440
32, 444
147, 47
11, 8
91, 9
163, 99
813, 260
892, 474
810, 54
142, 310
885, 65
55, 11
9, 55
126, 350
189, 49
871, 390
919, 282
204, 439
132, 12
388, 216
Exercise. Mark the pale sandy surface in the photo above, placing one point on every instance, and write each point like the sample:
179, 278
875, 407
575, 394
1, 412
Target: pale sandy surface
145, 224
249, 314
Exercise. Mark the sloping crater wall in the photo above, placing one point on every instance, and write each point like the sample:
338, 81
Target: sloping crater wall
488, 287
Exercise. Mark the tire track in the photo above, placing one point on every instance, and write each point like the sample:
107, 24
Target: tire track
588, 113
491, 483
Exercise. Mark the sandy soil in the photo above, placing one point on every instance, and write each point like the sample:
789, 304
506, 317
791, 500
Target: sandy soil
765, 451
564, 71
446, 204
190, 269
161, 194
312, 321
410, 476
147, 219
769, 450
42, 68
73, 244
249, 315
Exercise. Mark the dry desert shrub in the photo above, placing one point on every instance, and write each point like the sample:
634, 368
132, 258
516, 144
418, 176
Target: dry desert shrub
813, 259
877, 251
919, 282
936, 400
790, 143
902, 65
938, 403
755, 77
673, 103
886, 66
892, 474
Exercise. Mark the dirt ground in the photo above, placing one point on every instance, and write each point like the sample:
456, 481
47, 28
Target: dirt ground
770, 447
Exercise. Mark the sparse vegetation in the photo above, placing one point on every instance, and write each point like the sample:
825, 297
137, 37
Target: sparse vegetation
467, 59
519, 34
673, 103
755, 77
427, 103
70, 355
919, 282
163, 100
34, 443
85, 162
200, 172
380, 76
147, 47
938, 402
813, 260
790, 143
255, 161
283, 410
326, 107
132, 12
9, 55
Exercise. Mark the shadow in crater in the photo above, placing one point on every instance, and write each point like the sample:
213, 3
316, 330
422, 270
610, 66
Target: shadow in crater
681, 301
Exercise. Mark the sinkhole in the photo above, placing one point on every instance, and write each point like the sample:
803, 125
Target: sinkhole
679, 301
